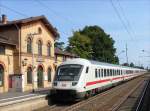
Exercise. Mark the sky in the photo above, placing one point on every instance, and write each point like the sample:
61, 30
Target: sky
127, 21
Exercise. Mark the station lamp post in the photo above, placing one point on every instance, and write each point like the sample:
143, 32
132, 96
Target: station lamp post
32, 35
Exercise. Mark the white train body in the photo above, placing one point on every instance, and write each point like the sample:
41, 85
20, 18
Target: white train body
79, 77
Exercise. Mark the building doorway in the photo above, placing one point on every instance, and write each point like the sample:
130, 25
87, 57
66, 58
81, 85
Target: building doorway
40, 77
1, 75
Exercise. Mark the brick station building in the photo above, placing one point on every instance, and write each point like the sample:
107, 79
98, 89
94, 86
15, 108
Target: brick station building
27, 57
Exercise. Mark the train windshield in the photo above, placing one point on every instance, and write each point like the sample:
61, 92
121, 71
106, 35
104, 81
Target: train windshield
68, 72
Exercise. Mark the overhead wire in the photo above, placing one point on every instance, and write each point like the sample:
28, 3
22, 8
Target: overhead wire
127, 21
10, 9
125, 17
55, 12
130, 32
120, 18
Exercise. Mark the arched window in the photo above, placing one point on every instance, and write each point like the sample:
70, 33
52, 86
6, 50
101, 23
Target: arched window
39, 47
49, 74
1, 75
49, 49
29, 45
40, 76
29, 75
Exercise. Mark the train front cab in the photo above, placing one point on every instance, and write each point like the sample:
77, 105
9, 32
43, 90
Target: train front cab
66, 82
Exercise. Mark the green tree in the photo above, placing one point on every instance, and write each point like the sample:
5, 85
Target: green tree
80, 45
99, 45
131, 64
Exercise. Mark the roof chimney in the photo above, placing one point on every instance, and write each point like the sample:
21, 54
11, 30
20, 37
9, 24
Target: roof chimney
4, 19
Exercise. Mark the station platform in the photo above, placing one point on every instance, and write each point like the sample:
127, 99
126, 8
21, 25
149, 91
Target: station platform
15, 97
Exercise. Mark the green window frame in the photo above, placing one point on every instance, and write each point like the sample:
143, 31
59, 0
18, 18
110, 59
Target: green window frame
29, 75
29, 45
40, 48
49, 74
48, 49
1, 75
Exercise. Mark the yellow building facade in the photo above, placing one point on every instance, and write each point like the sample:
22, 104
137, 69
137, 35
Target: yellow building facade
29, 53
6, 66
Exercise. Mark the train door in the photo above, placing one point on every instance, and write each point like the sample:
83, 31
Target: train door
40, 77
1, 75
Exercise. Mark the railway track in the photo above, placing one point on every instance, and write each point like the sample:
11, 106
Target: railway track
105, 100
123, 99
143, 104
116, 95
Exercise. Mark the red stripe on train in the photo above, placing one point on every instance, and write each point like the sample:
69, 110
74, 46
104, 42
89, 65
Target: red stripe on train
105, 80
95, 82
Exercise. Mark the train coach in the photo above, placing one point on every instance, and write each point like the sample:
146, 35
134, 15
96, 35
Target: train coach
79, 78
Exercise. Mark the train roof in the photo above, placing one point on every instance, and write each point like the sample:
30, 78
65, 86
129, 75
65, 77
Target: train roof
92, 62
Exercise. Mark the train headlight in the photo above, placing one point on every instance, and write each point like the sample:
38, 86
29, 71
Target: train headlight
55, 83
74, 83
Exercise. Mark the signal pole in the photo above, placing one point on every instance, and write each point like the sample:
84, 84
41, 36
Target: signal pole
126, 53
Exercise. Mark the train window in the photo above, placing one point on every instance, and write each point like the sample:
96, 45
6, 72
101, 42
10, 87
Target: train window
102, 73
99, 73
110, 72
96, 75
105, 72
113, 72
117, 72
87, 69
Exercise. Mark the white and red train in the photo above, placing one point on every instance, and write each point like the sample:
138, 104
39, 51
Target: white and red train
80, 78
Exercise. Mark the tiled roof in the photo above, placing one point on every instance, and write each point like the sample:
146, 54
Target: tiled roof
61, 52
31, 19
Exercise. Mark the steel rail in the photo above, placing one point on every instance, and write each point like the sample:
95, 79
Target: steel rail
123, 99
142, 97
